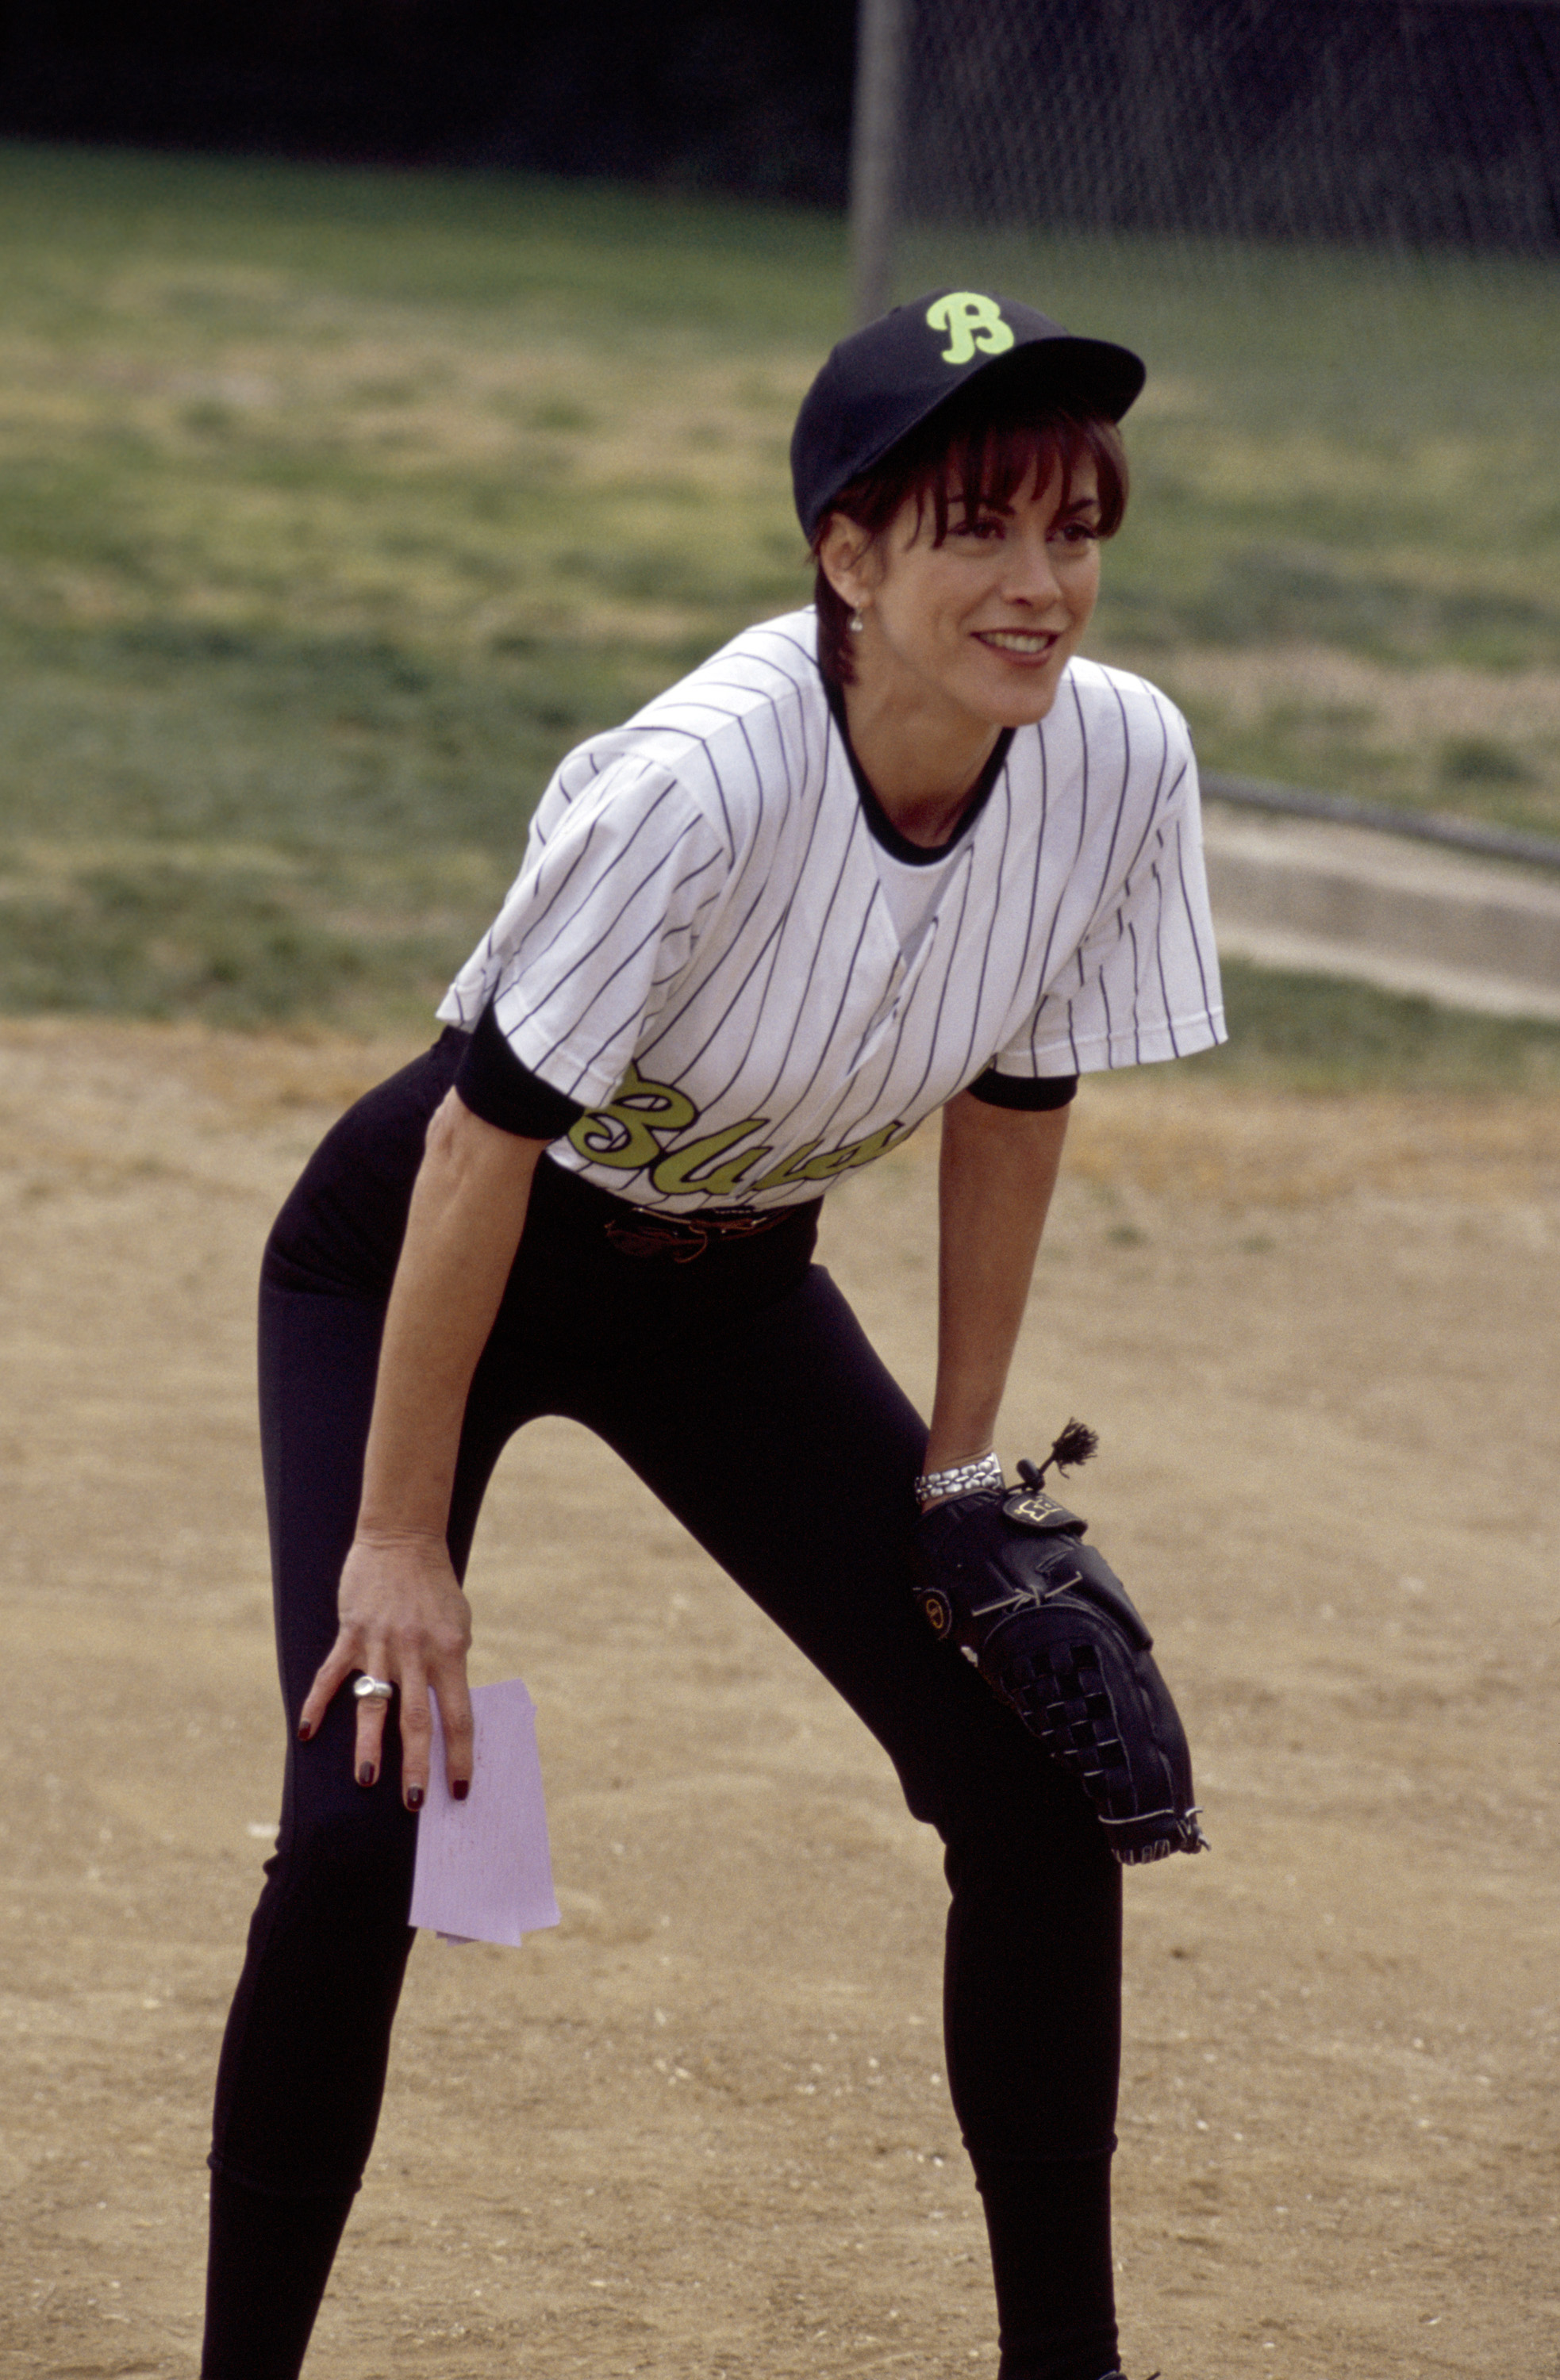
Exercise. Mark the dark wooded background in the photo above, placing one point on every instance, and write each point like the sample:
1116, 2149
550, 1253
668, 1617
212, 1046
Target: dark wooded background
753, 97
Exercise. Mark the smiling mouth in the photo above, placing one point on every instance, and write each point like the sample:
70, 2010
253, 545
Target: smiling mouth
1022, 641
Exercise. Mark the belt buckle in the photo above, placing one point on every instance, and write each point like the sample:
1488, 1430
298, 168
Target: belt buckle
684, 1237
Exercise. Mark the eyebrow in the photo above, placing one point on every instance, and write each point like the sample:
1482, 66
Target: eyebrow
1065, 511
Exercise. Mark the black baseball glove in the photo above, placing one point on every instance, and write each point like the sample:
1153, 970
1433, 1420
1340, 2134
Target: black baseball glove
1006, 1576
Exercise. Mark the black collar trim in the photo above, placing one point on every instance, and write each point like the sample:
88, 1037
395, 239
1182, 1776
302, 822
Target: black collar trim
881, 827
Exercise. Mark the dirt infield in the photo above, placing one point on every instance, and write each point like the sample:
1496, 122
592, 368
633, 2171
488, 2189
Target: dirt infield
702, 2130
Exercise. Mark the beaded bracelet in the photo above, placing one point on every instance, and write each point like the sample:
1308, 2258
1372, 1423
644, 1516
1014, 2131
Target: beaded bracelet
960, 1479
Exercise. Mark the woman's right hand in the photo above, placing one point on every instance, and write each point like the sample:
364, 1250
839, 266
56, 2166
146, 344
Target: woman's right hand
403, 1617
401, 1611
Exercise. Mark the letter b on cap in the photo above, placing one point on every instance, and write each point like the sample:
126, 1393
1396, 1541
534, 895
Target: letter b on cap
971, 322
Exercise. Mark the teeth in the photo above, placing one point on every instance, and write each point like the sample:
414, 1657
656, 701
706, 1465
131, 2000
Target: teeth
1013, 641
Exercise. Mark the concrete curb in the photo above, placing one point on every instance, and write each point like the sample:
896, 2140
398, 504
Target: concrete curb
1346, 901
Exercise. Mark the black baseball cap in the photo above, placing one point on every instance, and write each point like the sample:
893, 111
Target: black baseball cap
886, 380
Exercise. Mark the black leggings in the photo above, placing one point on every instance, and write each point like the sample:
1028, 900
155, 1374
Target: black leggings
735, 1381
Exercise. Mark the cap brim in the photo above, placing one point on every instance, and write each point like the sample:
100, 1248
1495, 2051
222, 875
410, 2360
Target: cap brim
1089, 375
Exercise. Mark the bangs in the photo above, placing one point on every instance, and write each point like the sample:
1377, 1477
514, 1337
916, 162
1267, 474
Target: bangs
983, 468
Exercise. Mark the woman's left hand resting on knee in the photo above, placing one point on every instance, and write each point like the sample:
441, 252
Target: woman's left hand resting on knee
401, 1611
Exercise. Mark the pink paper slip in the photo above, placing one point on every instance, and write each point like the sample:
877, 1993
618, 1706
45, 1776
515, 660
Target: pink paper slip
483, 1870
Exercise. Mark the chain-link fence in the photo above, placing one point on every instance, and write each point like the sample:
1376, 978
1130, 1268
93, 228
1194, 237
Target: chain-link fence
1432, 123
1333, 228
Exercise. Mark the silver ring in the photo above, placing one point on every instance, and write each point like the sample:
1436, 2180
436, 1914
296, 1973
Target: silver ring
373, 1690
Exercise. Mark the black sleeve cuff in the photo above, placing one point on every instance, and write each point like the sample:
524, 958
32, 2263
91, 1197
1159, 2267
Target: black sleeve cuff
1034, 1092
501, 1089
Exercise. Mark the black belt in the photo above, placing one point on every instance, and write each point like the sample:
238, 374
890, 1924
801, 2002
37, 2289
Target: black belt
683, 1237
645, 1232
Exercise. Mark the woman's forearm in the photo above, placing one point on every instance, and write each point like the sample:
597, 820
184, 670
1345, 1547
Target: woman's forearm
997, 1173
468, 1210
402, 1615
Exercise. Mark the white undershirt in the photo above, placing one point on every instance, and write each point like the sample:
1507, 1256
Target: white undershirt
912, 890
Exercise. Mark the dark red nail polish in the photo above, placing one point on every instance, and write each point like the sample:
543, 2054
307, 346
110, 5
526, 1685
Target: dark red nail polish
461, 1787
414, 1797
365, 1774
305, 1729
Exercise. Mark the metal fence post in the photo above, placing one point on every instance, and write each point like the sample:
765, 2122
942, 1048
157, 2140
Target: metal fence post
874, 154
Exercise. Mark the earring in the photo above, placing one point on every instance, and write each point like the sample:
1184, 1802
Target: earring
857, 624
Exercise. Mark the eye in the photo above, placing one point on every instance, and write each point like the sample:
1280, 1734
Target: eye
1077, 532
983, 526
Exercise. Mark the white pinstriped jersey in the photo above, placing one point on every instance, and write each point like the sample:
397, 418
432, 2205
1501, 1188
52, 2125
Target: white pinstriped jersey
697, 948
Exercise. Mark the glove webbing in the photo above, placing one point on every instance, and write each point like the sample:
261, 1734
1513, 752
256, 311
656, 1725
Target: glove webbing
1062, 1697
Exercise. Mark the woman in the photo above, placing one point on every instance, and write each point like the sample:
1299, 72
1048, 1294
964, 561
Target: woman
905, 851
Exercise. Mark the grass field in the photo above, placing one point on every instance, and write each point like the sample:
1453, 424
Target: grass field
334, 506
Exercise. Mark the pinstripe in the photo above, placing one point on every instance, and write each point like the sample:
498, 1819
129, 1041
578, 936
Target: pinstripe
760, 895
718, 920
654, 932
1125, 779
826, 1119
949, 953
1083, 775
1151, 821
1051, 928
593, 880
1196, 939
733, 949
986, 946
1164, 1000
823, 1044
1105, 996
606, 928
799, 1006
